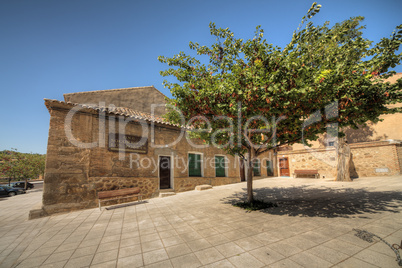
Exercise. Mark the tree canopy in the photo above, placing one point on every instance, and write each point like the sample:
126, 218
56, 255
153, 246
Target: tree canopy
18, 165
253, 96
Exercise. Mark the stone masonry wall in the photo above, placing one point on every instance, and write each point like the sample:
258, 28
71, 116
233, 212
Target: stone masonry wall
371, 160
368, 160
399, 152
67, 166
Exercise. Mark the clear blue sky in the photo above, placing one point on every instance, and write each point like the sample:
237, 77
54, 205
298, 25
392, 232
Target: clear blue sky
51, 47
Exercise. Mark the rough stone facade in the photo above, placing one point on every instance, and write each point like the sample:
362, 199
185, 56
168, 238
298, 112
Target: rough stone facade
136, 98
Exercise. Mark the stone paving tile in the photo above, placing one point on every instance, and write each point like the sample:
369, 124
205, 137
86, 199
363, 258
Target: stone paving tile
178, 250
245, 260
129, 242
61, 256
131, 261
229, 249
105, 256
328, 254
288, 263
32, 262
154, 256
108, 264
209, 255
170, 241
300, 242
220, 264
152, 245
199, 244
186, 261
89, 242
79, 262
354, 262
306, 259
376, 258
383, 248
217, 239
162, 264
84, 251
129, 251
266, 255
248, 243
108, 246
343, 246
284, 248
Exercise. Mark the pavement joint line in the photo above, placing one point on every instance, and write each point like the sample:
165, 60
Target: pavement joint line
178, 213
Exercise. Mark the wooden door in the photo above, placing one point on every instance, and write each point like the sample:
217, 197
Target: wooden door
284, 166
242, 171
164, 172
270, 168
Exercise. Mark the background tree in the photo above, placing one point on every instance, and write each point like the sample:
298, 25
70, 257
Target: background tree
254, 96
21, 166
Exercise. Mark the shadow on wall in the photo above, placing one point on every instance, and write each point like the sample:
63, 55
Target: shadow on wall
323, 202
362, 134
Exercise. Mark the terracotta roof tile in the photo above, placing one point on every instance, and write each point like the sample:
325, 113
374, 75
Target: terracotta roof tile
113, 110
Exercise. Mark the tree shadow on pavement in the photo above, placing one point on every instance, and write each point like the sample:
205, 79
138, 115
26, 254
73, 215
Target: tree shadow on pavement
322, 202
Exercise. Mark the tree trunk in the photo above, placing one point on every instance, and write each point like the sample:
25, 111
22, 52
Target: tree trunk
344, 154
250, 160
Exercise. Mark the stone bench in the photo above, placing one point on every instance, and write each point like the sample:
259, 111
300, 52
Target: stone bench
119, 194
306, 172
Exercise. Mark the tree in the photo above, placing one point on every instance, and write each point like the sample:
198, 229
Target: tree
253, 96
16, 165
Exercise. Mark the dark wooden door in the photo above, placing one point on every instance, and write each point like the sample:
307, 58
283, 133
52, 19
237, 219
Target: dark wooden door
164, 172
284, 166
242, 172
270, 168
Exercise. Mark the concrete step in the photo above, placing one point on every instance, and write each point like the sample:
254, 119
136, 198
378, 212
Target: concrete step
203, 187
166, 194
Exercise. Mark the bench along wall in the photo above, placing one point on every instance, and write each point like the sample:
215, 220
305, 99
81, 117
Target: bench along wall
74, 174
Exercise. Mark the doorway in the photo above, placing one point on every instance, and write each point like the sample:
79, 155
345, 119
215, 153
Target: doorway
164, 172
284, 167
242, 169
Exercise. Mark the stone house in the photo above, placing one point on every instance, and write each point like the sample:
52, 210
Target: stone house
376, 150
115, 139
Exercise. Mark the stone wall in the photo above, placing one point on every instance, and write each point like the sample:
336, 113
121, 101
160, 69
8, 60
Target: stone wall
67, 166
136, 98
369, 159
375, 159
399, 152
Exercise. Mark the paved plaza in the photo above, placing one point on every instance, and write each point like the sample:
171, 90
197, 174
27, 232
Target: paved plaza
311, 227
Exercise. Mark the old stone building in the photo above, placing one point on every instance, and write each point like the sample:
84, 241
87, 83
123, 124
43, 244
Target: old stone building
96, 144
115, 139
376, 150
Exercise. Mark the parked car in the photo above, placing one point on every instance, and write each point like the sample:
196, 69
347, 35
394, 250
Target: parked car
10, 191
21, 184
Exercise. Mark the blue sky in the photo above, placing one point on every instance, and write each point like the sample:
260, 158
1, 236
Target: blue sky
51, 47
